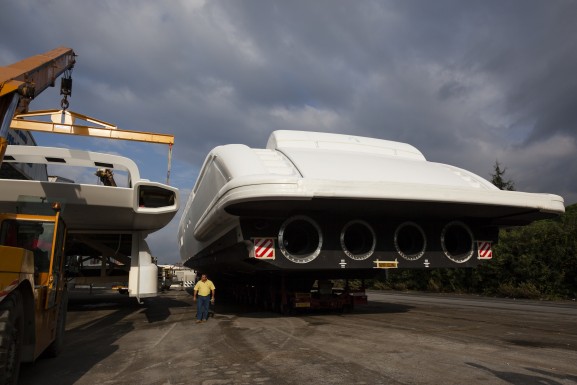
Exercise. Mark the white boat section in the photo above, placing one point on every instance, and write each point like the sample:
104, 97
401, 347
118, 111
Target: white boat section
95, 213
306, 168
22, 170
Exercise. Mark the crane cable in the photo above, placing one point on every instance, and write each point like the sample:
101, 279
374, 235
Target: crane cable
66, 89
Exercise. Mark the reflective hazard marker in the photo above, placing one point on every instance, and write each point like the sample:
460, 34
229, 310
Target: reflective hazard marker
386, 264
264, 248
484, 249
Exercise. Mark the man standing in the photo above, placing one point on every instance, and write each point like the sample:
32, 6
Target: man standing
205, 291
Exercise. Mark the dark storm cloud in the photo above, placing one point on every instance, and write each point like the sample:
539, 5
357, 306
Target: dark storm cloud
468, 83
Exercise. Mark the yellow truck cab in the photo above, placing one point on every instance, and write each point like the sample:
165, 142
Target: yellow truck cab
33, 295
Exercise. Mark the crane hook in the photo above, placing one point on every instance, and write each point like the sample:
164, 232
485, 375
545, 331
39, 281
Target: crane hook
66, 88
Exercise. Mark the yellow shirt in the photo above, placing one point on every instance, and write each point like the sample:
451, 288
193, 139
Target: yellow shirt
204, 288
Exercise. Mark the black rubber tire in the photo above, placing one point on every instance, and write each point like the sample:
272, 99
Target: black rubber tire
55, 347
11, 331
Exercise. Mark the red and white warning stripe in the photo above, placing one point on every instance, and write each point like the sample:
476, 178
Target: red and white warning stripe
484, 249
264, 248
8, 289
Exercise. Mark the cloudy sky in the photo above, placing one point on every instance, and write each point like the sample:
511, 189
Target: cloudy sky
467, 83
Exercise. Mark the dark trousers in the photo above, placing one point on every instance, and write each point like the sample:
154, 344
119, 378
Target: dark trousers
202, 304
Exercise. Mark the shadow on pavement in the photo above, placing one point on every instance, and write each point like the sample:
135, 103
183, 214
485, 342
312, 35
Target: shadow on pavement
226, 308
519, 378
99, 320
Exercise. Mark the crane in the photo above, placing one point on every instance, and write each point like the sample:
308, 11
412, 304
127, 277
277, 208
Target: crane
33, 238
23, 81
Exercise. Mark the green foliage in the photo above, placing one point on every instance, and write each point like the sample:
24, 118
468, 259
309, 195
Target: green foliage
535, 261
523, 290
543, 254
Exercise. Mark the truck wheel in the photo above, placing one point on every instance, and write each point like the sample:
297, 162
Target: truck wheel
55, 347
11, 329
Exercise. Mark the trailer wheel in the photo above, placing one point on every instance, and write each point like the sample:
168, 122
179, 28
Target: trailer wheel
11, 329
55, 347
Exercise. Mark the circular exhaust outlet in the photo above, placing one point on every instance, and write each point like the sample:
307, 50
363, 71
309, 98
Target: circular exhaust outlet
457, 242
300, 239
410, 241
358, 240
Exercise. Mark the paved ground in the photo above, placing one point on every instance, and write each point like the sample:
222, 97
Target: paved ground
396, 339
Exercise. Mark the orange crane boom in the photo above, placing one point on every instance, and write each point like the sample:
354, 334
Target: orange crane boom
23, 81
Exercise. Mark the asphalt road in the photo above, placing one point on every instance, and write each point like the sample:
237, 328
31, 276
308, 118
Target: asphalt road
397, 339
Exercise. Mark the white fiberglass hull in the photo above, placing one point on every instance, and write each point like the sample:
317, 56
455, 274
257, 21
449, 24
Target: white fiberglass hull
336, 202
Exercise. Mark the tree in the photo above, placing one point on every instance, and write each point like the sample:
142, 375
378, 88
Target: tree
539, 259
498, 180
